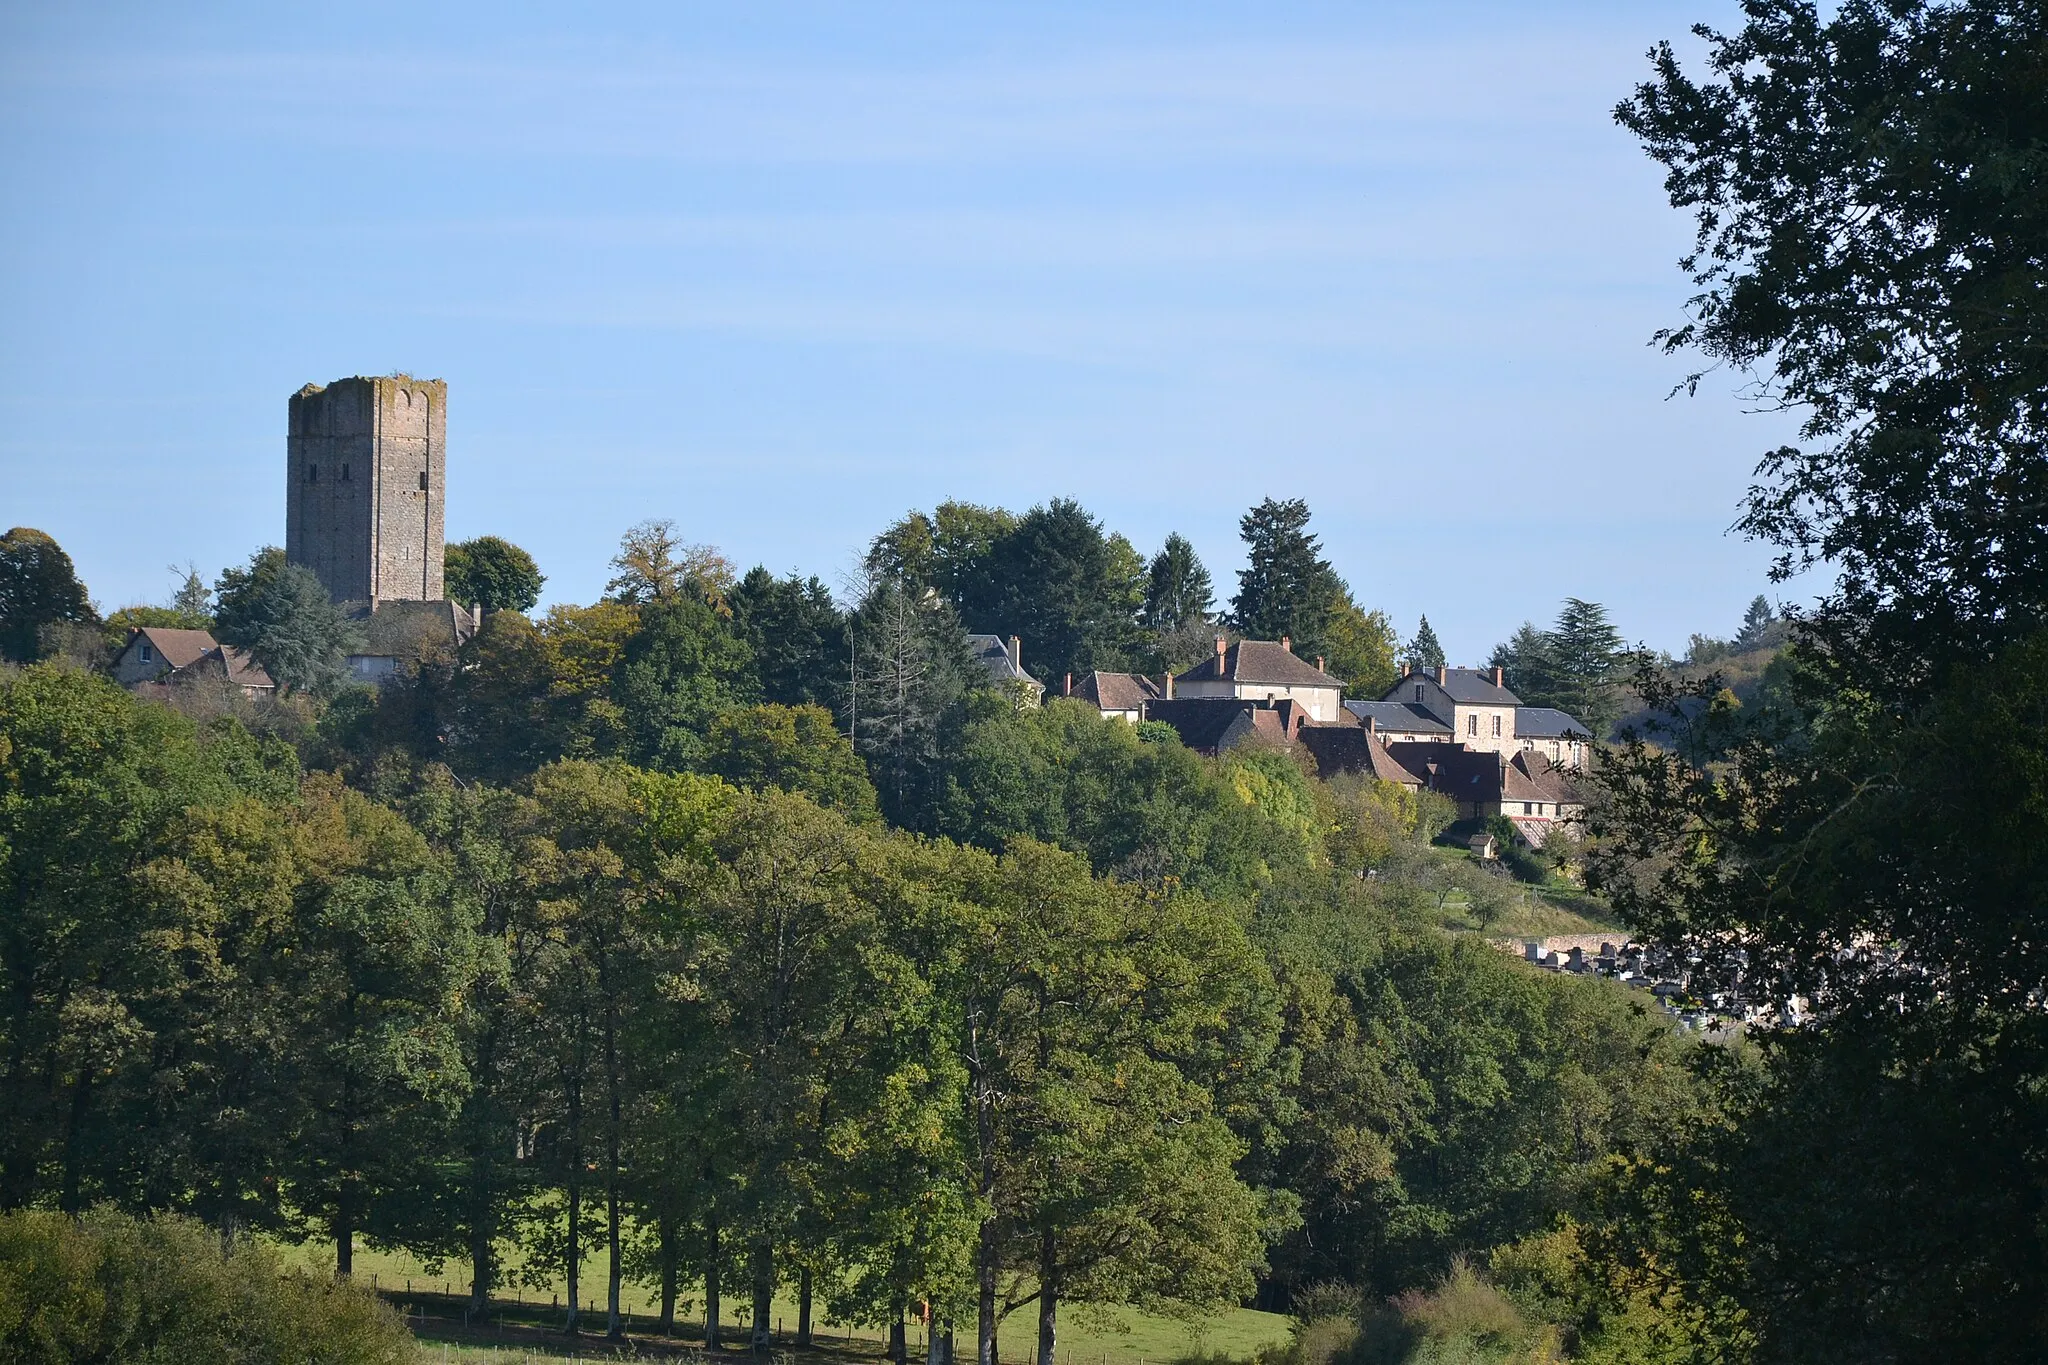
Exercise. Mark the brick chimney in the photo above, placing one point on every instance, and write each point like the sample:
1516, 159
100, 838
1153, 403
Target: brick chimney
1372, 725
1287, 643
1016, 653
1496, 678
1070, 686
1443, 675
1222, 648
1406, 668
1322, 664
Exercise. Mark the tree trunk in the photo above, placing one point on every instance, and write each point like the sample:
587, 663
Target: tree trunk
344, 1238
574, 1254
483, 1269
803, 1309
666, 1227
761, 1338
899, 1347
614, 1326
1048, 1297
985, 1294
947, 1359
711, 1286
74, 1126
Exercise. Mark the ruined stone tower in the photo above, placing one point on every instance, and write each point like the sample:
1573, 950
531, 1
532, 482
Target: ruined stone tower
366, 462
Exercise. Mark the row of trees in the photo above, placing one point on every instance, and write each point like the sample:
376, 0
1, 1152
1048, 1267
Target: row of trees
663, 1026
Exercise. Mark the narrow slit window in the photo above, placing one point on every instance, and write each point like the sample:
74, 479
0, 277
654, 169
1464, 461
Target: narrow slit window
423, 481
344, 473
312, 473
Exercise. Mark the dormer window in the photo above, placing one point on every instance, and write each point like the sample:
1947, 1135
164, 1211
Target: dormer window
1418, 694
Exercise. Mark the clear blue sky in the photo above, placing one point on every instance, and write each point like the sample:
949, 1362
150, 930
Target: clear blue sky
781, 272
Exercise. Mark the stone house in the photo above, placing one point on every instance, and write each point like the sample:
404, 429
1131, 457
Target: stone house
1121, 695
1004, 661
1400, 721
1523, 786
1553, 734
159, 656
397, 633
1473, 703
1263, 671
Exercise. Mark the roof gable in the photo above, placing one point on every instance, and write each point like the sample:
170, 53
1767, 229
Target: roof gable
1260, 661
178, 648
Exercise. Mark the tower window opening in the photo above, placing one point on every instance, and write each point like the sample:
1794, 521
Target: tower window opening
344, 473
423, 481
312, 473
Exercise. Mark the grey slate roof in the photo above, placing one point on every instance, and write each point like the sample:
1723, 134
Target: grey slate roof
993, 653
1474, 687
1398, 717
1544, 722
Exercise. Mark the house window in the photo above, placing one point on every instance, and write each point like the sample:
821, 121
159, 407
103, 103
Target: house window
1418, 694
146, 654
1472, 724
312, 473
1496, 727
1525, 808
423, 481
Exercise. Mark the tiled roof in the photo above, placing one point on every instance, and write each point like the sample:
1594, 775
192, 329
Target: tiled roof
1544, 722
1482, 775
1351, 749
1259, 661
1473, 686
1117, 691
1398, 717
399, 629
179, 648
1200, 721
243, 671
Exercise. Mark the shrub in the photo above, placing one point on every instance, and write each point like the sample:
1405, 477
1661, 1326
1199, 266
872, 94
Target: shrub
163, 1291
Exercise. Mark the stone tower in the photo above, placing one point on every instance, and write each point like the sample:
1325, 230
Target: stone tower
365, 465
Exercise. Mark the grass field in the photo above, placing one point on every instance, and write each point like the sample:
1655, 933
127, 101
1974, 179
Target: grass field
530, 1321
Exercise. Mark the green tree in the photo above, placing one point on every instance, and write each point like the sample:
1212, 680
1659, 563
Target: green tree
1177, 588
682, 668
1587, 658
1096, 1153
947, 551
1424, 652
1529, 666
1069, 590
1761, 627
281, 615
912, 673
1362, 647
492, 573
798, 636
378, 957
1865, 246
654, 565
794, 748
39, 589
1288, 588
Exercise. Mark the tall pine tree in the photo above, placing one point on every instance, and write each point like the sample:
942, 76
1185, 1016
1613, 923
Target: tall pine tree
1288, 589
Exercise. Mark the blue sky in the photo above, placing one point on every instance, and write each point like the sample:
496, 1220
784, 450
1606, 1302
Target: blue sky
783, 272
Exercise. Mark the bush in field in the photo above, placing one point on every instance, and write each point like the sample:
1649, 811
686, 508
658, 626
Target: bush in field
112, 1288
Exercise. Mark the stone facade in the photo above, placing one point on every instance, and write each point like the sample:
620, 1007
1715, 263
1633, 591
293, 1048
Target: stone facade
366, 464
1483, 719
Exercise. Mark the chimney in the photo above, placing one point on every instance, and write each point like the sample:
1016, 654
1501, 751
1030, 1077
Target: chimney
1496, 679
1321, 664
1016, 653
1372, 725
1070, 686
1443, 675
1169, 686
1222, 648
1405, 668
1287, 643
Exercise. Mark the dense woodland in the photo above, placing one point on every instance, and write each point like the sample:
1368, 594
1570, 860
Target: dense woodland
727, 934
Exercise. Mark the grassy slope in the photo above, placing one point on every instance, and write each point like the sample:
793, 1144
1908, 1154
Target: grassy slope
1116, 1335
